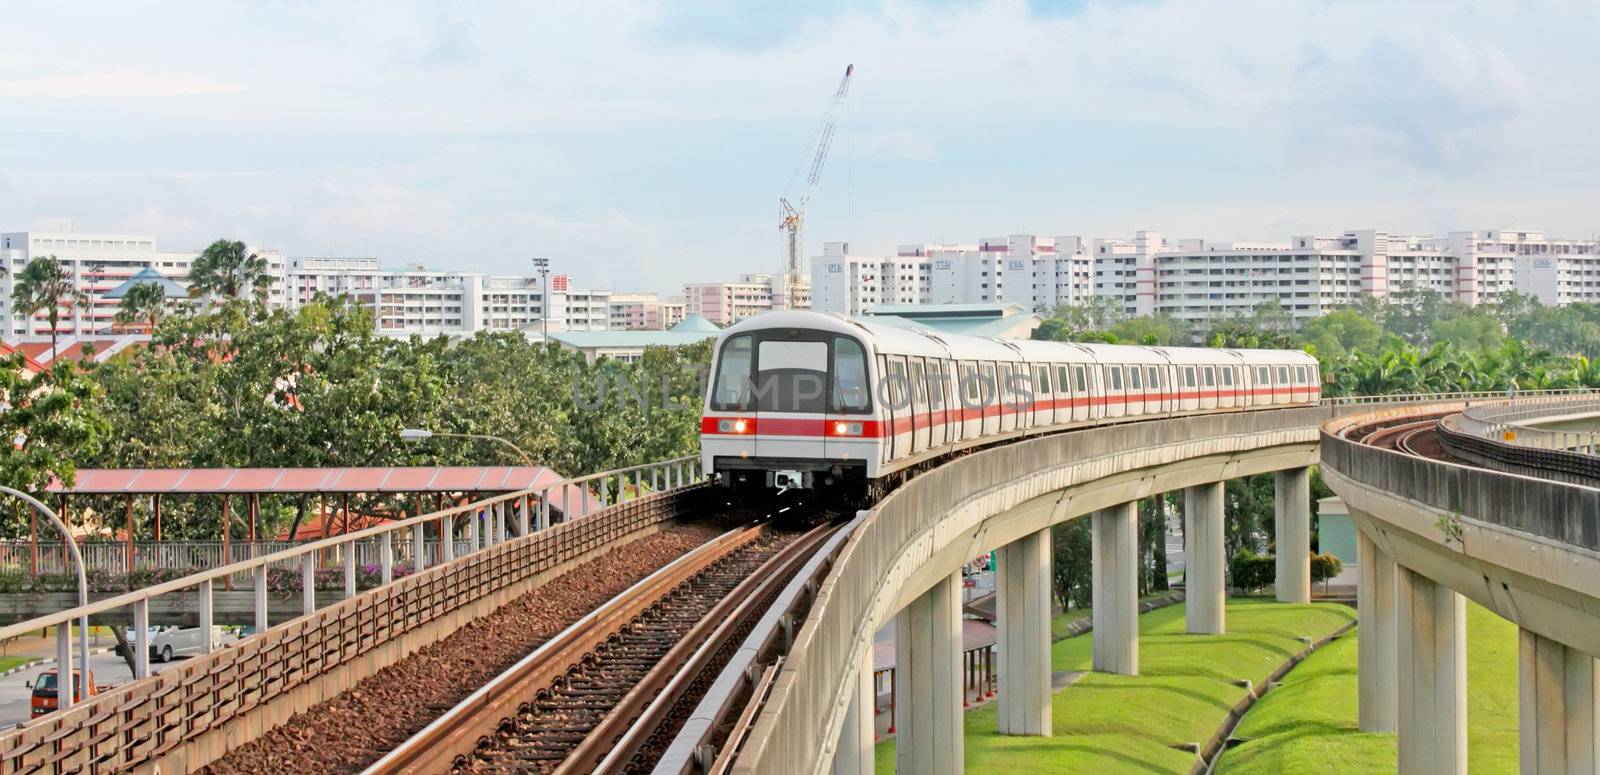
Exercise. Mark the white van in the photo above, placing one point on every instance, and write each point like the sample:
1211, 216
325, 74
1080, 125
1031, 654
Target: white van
171, 641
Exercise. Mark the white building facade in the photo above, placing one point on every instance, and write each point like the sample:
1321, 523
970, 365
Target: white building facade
1198, 280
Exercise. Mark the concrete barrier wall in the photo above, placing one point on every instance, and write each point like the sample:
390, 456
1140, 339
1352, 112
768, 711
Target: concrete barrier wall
980, 501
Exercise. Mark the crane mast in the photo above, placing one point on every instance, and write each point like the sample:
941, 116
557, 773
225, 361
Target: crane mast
803, 183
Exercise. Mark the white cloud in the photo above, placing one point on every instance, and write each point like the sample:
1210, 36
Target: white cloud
112, 85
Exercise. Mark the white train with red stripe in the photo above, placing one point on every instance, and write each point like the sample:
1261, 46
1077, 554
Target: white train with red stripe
807, 399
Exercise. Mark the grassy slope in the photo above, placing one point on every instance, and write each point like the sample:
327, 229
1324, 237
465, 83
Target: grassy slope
6, 663
1310, 720
1119, 723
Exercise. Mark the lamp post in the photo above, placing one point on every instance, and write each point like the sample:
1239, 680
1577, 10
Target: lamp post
65, 687
419, 434
542, 266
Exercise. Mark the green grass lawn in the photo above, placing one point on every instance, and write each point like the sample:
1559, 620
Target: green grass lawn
1110, 723
1309, 721
6, 663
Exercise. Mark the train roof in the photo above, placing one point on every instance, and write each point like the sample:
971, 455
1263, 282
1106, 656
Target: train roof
920, 340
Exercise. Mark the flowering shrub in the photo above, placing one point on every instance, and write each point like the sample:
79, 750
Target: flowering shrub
285, 583
99, 580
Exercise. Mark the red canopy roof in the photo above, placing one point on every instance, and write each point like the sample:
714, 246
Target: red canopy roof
151, 481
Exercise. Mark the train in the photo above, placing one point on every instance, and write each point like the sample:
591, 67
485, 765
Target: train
801, 400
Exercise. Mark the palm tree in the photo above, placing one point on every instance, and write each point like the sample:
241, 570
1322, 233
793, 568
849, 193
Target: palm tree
45, 286
228, 268
144, 303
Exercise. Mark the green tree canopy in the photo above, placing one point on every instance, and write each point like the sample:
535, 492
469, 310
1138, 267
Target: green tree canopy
228, 268
45, 286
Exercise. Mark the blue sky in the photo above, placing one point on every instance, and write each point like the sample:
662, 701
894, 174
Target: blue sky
644, 144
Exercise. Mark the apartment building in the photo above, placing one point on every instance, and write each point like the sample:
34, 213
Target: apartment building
1035, 273
753, 294
97, 263
1200, 280
631, 311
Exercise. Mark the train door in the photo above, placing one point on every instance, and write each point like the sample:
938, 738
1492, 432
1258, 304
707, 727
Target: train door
1135, 387
1208, 387
1190, 391
970, 389
1315, 393
1009, 420
1083, 406
1302, 387
791, 407
989, 384
1063, 399
1282, 393
1228, 397
937, 426
1152, 383
917, 381
1044, 413
1111, 375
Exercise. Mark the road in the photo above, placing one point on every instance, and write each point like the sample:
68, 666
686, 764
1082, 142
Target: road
107, 668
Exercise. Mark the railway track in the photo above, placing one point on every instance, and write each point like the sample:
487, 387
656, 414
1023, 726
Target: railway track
1415, 437
608, 693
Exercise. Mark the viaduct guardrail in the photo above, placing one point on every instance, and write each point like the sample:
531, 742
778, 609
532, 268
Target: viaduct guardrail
187, 716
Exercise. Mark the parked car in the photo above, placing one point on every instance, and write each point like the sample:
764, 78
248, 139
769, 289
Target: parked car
45, 691
171, 641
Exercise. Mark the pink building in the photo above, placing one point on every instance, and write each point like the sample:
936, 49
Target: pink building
753, 294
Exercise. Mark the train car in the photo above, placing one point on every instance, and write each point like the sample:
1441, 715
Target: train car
822, 401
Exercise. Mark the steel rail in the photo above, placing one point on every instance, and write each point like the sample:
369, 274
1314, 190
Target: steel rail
458, 731
627, 732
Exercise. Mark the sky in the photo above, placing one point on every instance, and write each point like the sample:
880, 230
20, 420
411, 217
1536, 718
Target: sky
640, 145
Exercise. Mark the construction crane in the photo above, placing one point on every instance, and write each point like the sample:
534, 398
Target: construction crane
803, 183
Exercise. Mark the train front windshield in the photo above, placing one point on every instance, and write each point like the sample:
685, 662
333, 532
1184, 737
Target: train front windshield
802, 372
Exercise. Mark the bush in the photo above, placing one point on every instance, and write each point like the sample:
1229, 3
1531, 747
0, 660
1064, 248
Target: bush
1251, 571
1324, 567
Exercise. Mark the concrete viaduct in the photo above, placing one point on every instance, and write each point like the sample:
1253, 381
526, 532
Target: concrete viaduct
903, 563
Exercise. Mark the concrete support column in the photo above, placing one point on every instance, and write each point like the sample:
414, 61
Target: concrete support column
927, 682
1023, 597
1375, 637
1204, 561
1292, 498
853, 756
1556, 691
1115, 554
1431, 726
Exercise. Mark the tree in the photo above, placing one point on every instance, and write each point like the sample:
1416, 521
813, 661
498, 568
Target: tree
48, 422
45, 286
1340, 332
228, 268
144, 303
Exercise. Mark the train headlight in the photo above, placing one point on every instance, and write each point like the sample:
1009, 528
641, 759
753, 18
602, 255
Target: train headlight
731, 425
847, 429
740, 426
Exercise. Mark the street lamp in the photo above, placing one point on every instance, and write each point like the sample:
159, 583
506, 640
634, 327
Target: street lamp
65, 687
420, 434
542, 266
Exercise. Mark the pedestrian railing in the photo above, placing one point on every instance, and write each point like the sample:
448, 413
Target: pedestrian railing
1520, 426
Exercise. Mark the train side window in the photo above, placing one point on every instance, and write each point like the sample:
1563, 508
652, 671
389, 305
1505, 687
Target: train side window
1134, 381
850, 390
1211, 377
1300, 375
1155, 378
1227, 376
1188, 376
1114, 375
1061, 379
969, 384
1042, 381
919, 381
1283, 375
1263, 376
732, 393
988, 386
1078, 382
